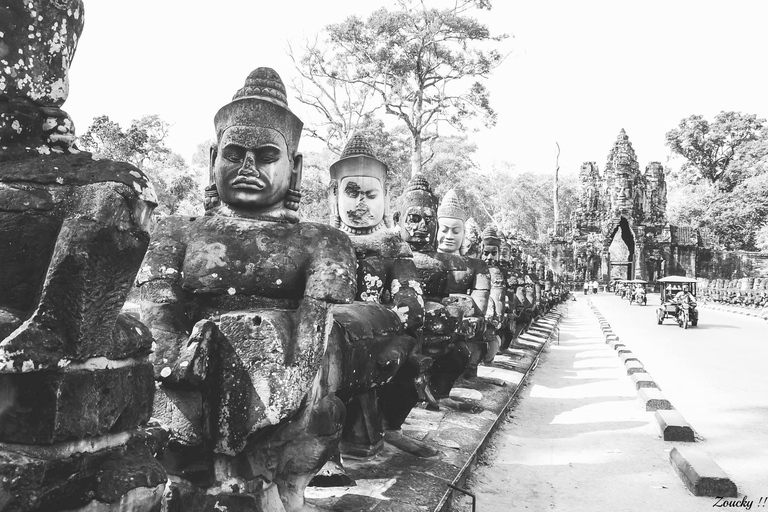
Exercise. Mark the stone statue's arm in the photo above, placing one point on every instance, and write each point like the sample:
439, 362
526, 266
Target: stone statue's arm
163, 301
407, 295
331, 279
481, 287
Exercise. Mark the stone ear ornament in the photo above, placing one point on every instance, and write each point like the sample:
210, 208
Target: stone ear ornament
293, 195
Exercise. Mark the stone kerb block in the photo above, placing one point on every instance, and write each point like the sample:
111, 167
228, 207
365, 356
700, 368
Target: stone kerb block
626, 356
634, 367
643, 380
700, 474
616, 344
673, 426
653, 399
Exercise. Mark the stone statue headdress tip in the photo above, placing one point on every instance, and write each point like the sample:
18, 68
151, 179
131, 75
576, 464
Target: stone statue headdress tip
358, 158
451, 207
491, 234
262, 100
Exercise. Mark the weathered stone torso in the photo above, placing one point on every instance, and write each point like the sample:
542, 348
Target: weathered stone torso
239, 262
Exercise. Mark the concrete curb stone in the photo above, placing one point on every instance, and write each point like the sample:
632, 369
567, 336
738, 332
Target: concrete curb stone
700, 474
643, 380
674, 427
627, 355
634, 366
653, 399
762, 313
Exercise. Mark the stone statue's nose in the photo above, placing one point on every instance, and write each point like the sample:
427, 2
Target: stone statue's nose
249, 165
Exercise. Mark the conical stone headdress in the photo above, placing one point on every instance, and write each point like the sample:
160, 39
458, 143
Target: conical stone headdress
358, 159
417, 193
491, 236
450, 207
261, 101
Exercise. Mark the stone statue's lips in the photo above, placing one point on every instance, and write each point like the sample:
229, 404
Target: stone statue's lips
248, 182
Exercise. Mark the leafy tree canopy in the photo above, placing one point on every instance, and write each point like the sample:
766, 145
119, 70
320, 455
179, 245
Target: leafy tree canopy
143, 145
417, 60
733, 207
709, 148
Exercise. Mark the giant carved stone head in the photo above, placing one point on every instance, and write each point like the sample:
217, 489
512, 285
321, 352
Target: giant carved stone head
255, 166
359, 195
416, 214
450, 224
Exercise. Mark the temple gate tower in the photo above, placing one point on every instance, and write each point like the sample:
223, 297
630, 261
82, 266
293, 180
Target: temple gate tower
619, 229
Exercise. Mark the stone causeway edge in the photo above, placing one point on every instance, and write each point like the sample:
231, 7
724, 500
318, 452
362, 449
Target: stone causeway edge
757, 313
697, 470
398, 481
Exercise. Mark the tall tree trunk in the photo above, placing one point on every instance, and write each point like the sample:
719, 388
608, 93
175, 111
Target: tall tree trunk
556, 186
416, 155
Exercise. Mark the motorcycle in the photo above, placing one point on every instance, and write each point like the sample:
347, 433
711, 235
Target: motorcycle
638, 297
687, 315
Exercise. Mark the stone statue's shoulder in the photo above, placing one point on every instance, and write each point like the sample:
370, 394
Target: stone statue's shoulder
497, 277
77, 169
478, 266
331, 270
453, 261
427, 261
167, 246
327, 235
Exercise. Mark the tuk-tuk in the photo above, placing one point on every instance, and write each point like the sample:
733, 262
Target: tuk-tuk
637, 292
684, 313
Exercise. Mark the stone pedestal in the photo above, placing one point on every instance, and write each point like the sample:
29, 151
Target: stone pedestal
74, 438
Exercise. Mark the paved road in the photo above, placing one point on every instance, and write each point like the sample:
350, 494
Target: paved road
714, 374
578, 440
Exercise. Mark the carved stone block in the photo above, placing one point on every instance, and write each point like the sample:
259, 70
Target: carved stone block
49, 407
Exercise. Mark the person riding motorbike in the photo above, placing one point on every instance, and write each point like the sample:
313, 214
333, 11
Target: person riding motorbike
638, 293
686, 297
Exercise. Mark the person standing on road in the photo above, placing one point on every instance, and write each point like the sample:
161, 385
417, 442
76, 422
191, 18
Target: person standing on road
594, 286
586, 287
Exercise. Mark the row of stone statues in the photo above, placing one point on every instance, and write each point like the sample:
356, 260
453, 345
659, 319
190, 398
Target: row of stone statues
265, 346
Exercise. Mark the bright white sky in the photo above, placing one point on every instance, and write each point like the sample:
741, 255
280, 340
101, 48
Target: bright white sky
579, 72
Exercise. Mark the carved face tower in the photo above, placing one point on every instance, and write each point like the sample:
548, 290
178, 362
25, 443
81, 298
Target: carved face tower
450, 221
359, 196
254, 166
417, 215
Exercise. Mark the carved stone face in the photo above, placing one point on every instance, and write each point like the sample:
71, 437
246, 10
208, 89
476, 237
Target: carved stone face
450, 234
419, 226
252, 168
361, 201
504, 254
490, 254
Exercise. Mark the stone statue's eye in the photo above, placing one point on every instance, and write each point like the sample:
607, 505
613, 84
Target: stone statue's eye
352, 189
413, 218
268, 155
372, 194
233, 153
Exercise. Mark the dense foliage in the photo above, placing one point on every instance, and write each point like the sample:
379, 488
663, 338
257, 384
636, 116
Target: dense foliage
417, 63
723, 185
143, 145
